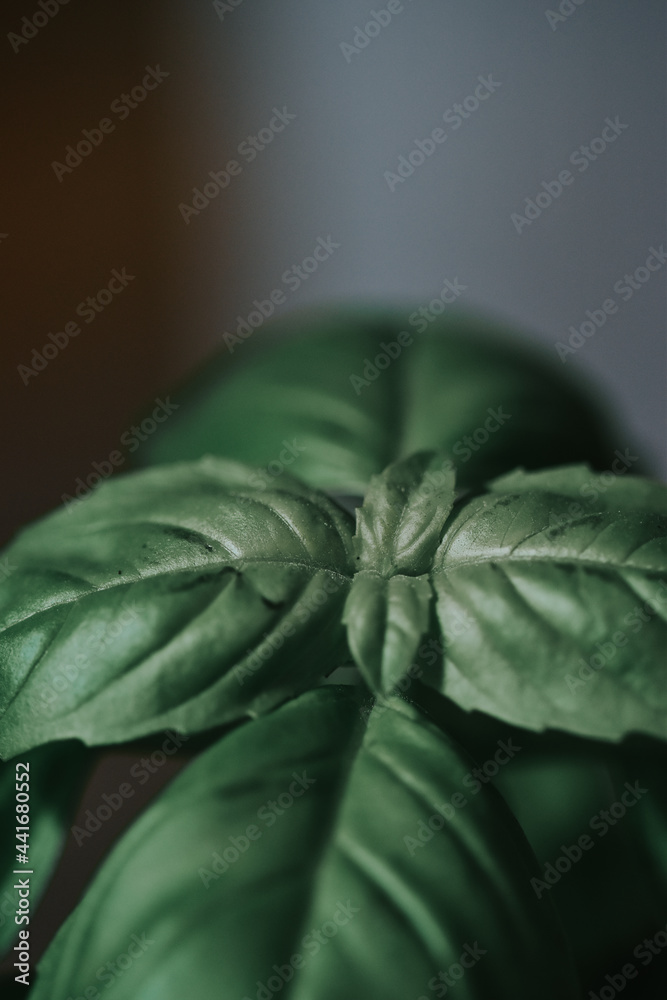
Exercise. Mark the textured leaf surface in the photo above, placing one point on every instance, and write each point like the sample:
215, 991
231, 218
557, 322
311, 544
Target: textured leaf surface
311, 382
179, 597
400, 523
279, 862
566, 607
594, 491
399, 527
386, 619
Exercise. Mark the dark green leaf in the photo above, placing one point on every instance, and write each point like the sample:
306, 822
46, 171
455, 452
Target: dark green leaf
558, 786
564, 606
611, 897
55, 776
336, 396
287, 859
175, 598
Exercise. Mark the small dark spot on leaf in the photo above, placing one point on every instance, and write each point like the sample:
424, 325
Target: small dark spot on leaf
209, 548
120, 572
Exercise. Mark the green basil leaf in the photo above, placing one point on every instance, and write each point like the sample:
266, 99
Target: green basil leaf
55, 779
174, 598
556, 617
559, 787
399, 527
400, 523
646, 758
560, 799
594, 491
385, 620
337, 395
295, 856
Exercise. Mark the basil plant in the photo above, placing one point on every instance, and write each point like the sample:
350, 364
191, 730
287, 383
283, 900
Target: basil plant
415, 591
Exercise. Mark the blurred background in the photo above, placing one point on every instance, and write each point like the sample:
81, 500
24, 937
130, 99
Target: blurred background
167, 164
328, 113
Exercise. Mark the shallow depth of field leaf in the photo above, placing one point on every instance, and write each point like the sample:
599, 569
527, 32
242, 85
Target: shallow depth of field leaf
56, 777
179, 597
310, 383
556, 784
292, 837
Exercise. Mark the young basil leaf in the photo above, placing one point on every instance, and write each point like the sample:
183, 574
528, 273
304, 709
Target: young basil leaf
174, 598
48, 781
565, 609
385, 620
298, 853
337, 395
399, 527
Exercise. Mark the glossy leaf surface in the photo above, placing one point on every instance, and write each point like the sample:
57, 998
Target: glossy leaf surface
180, 597
565, 605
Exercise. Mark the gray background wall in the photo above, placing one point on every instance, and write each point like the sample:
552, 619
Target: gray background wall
356, 113
323, 175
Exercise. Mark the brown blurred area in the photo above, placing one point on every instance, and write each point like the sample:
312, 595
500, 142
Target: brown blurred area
60, 242
61, 239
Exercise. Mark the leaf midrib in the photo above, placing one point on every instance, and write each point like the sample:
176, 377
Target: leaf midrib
243, 564
617, 567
